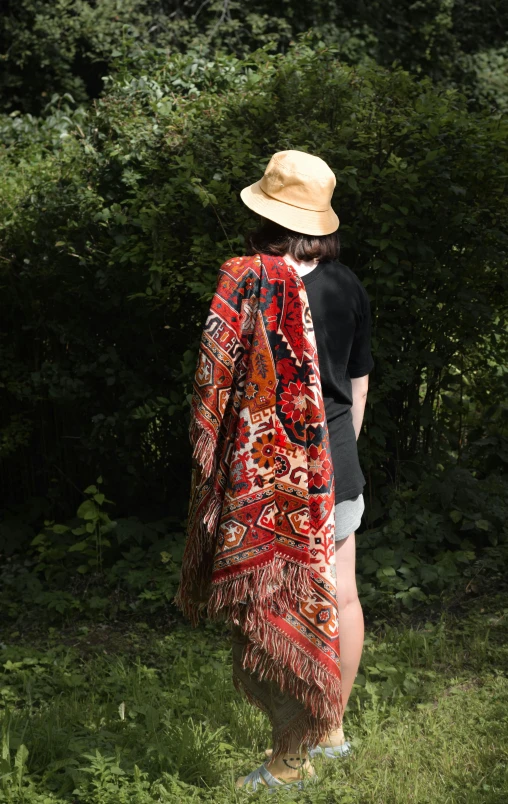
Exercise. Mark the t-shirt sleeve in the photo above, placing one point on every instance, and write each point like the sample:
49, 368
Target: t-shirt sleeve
360, 360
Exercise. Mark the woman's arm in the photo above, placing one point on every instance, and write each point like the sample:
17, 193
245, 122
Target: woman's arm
359, 386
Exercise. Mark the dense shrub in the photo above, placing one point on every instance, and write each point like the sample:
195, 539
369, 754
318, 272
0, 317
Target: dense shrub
70, 45
63, 47
430, 547
112, 240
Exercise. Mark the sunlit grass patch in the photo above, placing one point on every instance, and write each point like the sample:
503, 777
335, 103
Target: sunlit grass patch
161, 721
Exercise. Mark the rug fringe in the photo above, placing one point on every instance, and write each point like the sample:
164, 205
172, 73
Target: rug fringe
271, 656
203, 443
278, 585
197, 562
308, 729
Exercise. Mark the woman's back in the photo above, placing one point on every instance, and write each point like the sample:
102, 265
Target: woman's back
341, 318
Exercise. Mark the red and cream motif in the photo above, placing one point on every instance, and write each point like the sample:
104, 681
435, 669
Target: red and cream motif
260, 549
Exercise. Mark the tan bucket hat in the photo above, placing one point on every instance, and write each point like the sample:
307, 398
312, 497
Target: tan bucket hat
295, 191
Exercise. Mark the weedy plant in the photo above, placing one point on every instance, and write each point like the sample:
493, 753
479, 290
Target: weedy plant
156, 717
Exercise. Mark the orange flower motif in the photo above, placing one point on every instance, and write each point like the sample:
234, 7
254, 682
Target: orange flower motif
263, 451
251, 390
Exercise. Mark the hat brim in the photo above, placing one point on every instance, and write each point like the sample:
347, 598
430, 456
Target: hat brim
306, 221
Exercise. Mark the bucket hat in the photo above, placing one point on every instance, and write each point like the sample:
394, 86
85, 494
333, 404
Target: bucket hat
296, 192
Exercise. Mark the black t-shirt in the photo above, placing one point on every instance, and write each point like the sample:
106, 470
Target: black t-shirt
341, 317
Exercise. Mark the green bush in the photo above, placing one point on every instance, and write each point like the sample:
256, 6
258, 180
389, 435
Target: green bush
63, 46
438, 540
112, 240
91, 565
69, 46
431, 547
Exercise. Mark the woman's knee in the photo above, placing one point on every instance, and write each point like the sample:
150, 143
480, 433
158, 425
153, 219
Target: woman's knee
345, 563
347, 594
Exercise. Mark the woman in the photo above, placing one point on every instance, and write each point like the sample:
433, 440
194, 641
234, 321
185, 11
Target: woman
278, 404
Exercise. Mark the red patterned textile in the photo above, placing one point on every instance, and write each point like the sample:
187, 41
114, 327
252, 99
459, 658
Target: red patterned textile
260, 546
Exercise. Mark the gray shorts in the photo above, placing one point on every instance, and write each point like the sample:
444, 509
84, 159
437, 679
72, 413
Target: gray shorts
348, 515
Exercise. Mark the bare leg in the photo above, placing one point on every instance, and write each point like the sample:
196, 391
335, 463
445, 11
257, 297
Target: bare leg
292, 765
351, 625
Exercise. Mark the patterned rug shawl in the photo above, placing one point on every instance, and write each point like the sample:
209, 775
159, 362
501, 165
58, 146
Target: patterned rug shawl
260, 546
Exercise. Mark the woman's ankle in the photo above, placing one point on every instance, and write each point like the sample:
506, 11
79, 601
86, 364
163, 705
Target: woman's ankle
293, 764
333, 738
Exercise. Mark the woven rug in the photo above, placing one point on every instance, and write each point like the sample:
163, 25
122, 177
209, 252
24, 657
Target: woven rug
260, 544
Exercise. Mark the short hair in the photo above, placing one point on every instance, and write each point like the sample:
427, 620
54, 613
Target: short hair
272, 238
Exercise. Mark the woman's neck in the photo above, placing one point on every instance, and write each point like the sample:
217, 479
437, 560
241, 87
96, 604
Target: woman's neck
302, 266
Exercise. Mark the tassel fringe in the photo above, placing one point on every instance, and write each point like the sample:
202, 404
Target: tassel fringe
197, 562
272, 656
203, 442
278, 586
306, 728
269, 654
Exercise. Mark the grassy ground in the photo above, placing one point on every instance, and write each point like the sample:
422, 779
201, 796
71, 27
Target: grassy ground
103, 714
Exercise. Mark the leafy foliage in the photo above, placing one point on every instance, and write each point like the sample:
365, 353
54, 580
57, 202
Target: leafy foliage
115, 219
112, 241
432, 548
134, 714
69, 46
92, 565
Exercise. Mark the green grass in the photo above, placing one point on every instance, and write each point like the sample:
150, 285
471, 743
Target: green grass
102, 714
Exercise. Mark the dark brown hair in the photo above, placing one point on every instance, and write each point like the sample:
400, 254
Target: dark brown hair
272, 238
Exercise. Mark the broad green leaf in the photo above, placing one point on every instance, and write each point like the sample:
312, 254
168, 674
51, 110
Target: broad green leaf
87, 510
